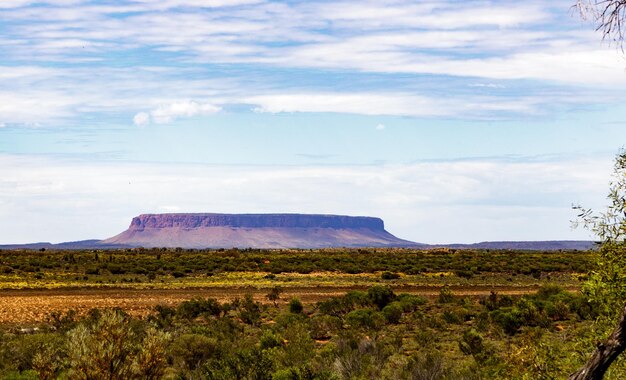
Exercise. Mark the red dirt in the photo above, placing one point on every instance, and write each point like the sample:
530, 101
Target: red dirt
32, 306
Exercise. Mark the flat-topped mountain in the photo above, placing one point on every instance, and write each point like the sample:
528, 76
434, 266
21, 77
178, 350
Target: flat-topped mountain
273, 231
256, 231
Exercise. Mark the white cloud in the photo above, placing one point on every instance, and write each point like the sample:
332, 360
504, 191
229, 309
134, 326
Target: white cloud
166, 4
168, 113
33, 106
487, 85
165, 114
356, 103
444, 15
141, 119
464, 201
398, 104
380, 127
21, 3
169, 208
495, 41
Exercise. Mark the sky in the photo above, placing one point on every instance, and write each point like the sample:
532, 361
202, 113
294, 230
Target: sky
453, 121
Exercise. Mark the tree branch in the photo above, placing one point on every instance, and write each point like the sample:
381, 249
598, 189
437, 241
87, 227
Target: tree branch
605, 353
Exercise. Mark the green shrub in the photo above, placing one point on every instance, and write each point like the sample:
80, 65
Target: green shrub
445, 295
510, 320
295, 306
250, 311
178, 274
464, 273
389, 276
363, 318
393, 312
324, 326
270, 339
451, 317
547, 291
410, 302
381, 295
532, 313
197, 306
557, 311
190, 351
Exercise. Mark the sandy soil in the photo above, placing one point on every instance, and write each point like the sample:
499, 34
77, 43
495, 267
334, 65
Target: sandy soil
27, 307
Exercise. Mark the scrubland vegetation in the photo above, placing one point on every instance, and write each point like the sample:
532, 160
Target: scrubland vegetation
176, 268
372, 334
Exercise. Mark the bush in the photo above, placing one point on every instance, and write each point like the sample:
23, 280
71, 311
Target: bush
445, 295
250, 311
363, 318
410, 302
509, 320
393, 312
380, 295
389, 276
295, 306
452, 317
270, 340
547, 291
274, 294
197, 306
191, 350
464, 274
323, 326
109, 348
472, 344
178, 274
557, 311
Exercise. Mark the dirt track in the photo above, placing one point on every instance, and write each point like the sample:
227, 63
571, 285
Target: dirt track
32, 306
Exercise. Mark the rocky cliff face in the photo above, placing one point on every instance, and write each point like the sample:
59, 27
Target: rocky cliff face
255, 231
255, 221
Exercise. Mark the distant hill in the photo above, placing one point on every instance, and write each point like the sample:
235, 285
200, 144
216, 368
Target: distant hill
547, 245
209, 230
256, 231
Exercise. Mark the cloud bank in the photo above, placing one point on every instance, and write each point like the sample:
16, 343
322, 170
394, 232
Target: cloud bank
431, 202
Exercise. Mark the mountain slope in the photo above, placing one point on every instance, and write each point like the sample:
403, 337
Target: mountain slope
256, 231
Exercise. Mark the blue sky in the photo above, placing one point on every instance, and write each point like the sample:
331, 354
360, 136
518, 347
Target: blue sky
453, 121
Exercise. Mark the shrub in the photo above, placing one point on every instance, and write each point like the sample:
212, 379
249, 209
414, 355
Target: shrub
389, 276
178, 274
250, 311
452, 317
270, 340
274, 294
295, 306
191, 350
410, 302
197, 306
472, 344
547, 291
557, 311
464, 273
393, 312
445, 295
509, 320
381, 295
92, 270
103, 350
323, 326
363, 318
531, 313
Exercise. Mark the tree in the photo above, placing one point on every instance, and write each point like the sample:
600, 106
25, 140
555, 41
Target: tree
606, 286
274, 294
607, 15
